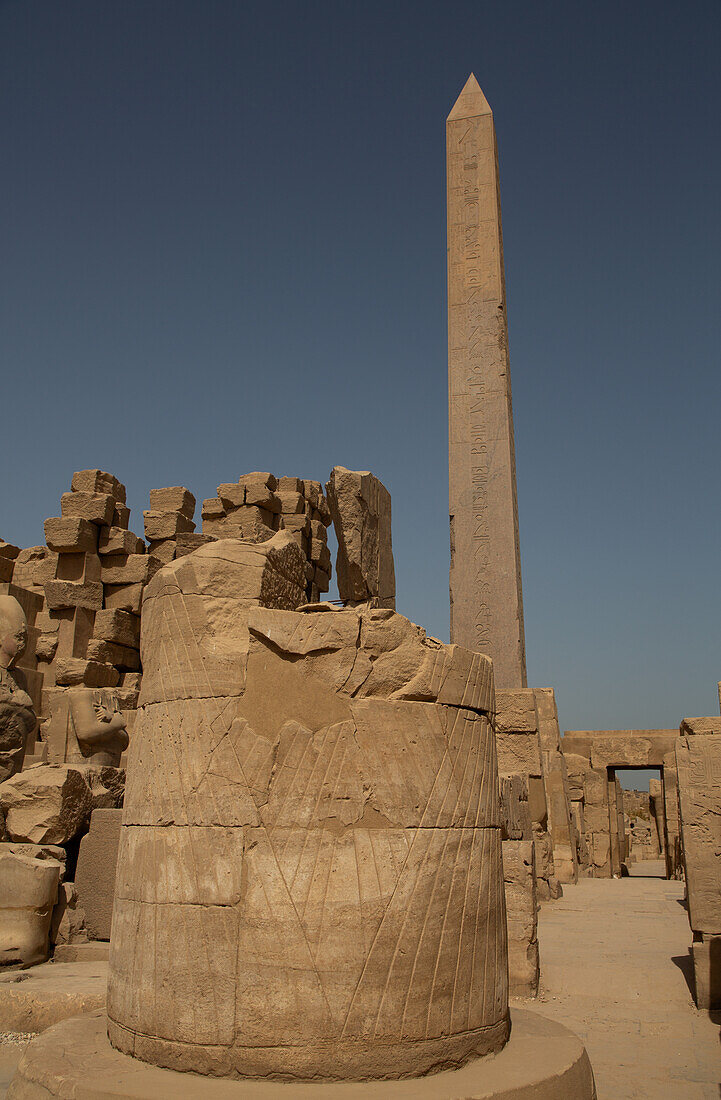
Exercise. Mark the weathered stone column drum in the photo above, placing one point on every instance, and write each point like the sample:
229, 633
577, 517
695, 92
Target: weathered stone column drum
309, 883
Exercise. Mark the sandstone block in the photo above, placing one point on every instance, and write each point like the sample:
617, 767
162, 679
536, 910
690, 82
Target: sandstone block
321, 580
290, 485
320, 554
118, 626
120, 656
701, 727
95, 874
129, 568
67, 925
69, 594
291, 502
124, 597
361, 509
71, 534
189, 541
34, 566
213, 508
79, 568
231, 494
49, 804
7, 550
516, 711
297, 522
28, 891
698, 760
121, 517
165, 525
98, 481
6, 570
117, 540
97, 508
163, 550
519, 872
79, 670
174, 499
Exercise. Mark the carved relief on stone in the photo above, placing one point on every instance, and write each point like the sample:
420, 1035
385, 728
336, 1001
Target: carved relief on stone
309, 881
17, 716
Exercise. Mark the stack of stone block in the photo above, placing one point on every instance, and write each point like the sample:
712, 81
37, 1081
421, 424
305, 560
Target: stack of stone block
518, 744
90, 624
259, 504
169, 526
588, 791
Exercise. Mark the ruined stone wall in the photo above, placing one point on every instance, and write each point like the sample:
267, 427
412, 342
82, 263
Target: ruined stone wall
259, 504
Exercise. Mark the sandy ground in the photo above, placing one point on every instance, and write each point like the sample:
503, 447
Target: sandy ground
615, 968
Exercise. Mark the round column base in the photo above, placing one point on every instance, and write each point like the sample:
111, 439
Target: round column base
541, 1061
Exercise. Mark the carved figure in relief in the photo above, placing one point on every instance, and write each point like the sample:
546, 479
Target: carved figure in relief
17, 716
99, 726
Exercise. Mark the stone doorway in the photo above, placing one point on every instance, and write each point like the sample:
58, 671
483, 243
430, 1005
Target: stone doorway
637, 822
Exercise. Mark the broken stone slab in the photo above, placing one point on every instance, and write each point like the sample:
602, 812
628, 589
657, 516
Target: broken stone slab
52, 803
360, 507
28, 892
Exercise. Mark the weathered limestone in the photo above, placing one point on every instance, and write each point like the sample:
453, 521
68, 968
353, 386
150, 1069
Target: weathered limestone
698, 758
361, 509
17, 716
485, 580
312, 832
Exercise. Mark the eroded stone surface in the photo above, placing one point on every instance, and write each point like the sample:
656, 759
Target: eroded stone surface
361, 509
312, 832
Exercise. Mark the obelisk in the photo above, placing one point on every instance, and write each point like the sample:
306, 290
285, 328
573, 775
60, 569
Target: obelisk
485, 580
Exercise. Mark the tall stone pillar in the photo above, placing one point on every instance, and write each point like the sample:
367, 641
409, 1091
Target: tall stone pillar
485, 580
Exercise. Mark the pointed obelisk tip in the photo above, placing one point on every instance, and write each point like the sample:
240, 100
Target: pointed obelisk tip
471, 101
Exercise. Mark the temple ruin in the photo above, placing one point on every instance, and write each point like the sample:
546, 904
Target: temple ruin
309, 841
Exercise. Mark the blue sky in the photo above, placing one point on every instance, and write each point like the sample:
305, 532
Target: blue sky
223, 249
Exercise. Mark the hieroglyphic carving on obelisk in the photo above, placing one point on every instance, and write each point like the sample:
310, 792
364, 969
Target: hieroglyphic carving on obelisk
485, 581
